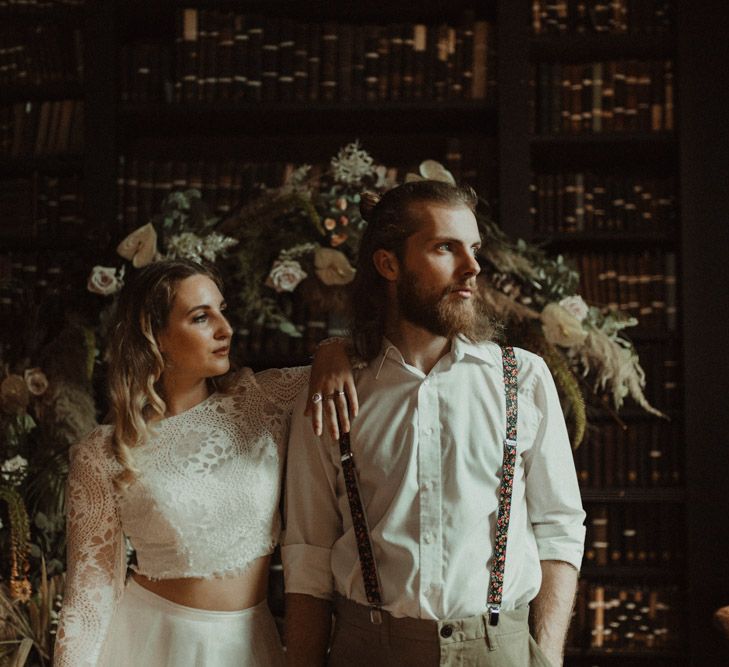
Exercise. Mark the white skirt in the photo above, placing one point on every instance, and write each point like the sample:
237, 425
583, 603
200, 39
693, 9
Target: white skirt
149, 631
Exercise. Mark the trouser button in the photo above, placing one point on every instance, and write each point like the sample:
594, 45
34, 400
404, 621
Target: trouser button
446, 631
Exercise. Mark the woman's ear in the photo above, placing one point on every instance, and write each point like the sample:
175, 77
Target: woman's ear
386, 264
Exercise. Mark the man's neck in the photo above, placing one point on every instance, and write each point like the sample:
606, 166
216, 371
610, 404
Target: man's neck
419, 347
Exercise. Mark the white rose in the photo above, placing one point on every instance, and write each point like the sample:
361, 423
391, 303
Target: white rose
333, 267
285, 275
104, 280
16, 464
560, 327
36, 381
575, 306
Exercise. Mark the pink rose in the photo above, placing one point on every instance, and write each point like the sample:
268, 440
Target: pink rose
104, 280
285, 275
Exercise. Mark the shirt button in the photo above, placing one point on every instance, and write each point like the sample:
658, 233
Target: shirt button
426, 381
446, 631
428, 537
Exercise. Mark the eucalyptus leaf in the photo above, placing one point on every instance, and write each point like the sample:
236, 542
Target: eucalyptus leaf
289, 329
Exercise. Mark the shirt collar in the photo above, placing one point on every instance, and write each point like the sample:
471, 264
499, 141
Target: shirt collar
460, 348
489, 353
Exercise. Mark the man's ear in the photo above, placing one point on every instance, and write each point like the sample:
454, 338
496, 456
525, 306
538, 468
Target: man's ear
386, 264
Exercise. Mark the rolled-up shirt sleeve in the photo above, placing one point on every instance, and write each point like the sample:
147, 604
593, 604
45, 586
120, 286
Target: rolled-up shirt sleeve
552, 491
311, 513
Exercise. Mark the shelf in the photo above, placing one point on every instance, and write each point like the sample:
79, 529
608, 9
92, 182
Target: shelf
598, 415
651, 336
317, 10
634, 495
648, 654
30, 14
582, 240
68, 90
625, 572
589, 47
609, 150
10, 244
22, 166
295, 118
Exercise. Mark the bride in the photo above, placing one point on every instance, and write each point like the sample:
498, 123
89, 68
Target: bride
189, 471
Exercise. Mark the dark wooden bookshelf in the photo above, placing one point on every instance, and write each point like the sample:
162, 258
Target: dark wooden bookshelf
608, 150
10, 93
588, 47
55, 164
628, 654
614, 240
632, 573
377, 11
46, 243
67, 14
634, 495
293, 119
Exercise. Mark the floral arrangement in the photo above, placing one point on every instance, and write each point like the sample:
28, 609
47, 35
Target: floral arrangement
301, 239
291, 245
43, 410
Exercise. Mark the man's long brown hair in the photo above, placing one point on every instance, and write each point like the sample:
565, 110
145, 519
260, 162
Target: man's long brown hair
390, 221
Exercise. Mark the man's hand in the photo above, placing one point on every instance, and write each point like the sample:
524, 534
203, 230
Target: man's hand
551, 610
308, 627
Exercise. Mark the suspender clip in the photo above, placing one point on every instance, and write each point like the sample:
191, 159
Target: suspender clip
346, 456
493, 610
375, 616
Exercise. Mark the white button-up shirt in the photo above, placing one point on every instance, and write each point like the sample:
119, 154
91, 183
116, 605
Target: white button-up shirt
428, 451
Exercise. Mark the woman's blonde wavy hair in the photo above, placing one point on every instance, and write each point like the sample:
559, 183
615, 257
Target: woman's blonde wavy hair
135, 363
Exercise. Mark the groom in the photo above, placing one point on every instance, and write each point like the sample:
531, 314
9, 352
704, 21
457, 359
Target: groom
460, 451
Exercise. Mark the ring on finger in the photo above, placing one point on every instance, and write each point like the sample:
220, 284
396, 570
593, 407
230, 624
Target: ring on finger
316, 398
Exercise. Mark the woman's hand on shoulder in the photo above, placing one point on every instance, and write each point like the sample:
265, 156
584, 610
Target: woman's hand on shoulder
332, 398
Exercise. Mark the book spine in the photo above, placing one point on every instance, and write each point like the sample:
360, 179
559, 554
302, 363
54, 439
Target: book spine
225, 50
358, 63
301, 61
315, 46
270, 59
240, 58
345, 63
372, 67
286, 74
254, 78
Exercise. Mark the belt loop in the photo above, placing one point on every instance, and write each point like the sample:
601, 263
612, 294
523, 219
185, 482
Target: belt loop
375, 616
491, 633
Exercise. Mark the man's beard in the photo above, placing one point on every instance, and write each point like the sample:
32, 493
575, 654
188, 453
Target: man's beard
442, 314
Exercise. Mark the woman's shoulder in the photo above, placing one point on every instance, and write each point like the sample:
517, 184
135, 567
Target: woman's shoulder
95, 448
282, 385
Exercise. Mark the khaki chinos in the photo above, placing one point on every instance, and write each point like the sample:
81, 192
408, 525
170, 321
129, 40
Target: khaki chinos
411, 642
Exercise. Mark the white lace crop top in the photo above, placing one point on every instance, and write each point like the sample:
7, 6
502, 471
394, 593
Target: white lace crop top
204, 504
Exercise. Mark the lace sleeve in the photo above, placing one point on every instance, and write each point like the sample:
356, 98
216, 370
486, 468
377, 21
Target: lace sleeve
282, 385
95, 554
